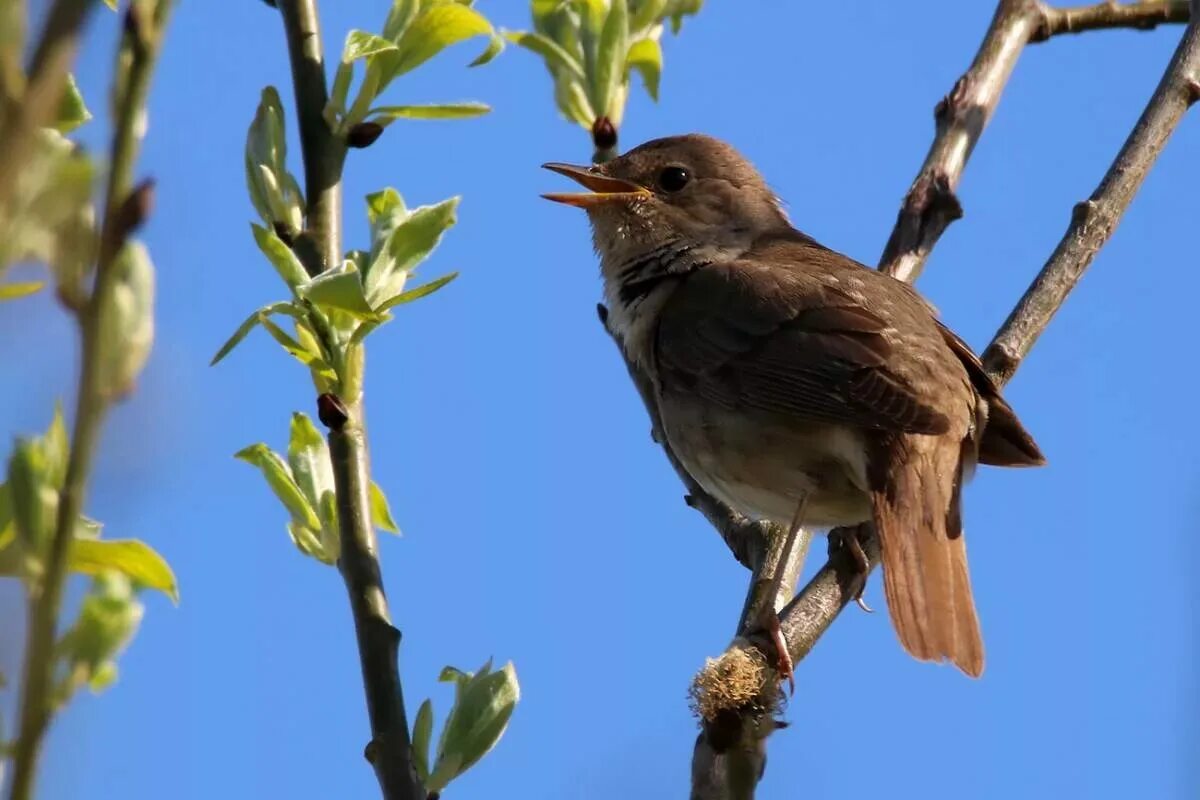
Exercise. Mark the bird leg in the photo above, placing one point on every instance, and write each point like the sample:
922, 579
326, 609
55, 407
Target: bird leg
767, 616
847, 539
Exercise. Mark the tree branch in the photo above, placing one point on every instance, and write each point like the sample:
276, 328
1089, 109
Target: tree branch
390, 750
731, 746
141, 41
931, 204
47, 75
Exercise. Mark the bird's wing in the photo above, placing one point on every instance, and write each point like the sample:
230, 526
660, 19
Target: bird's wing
785, 340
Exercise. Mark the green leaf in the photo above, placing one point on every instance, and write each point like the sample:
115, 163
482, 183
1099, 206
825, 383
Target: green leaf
399, 17
406, 245
645, 56
360, 44
340, 289
385, 115
573, 101
300, 352
476, 723
11, 291
72, 112
383, 205
495, 47
418, 293
436, 28
307, 542
381, 513
330, 538
422, 733
308, 457
27, 492
255, 318
647, 13
56, 449
557, 59
280, 255
610, 57
112, 4
133, 558
280, 479
127, 331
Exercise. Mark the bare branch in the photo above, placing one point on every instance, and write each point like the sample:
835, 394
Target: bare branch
931, 204
1146, 15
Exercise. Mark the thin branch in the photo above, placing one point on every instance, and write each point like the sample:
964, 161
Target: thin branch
732, 746
390, 750
323, 152
1094, 220
141, 41
931, 204
47, 74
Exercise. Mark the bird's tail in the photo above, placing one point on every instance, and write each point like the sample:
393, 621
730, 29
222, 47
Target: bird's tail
916, 499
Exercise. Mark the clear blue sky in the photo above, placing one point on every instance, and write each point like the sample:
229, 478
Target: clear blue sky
543, 526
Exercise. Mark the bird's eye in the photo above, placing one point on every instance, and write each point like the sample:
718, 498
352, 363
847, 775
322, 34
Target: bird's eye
672, 179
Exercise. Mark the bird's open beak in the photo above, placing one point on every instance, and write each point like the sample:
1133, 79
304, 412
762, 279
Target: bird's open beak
603, 188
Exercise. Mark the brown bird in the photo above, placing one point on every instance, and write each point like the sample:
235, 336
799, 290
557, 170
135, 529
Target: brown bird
792, 381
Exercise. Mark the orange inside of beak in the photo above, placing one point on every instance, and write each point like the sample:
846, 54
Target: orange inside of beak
603, 188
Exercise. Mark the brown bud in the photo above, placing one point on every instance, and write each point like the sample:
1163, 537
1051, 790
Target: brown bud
332, 412
285, 232
363, 134
604, 134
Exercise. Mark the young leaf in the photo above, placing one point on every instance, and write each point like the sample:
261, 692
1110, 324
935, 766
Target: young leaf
382, 205
399, 17
306, 542
72, 112
340, 289
647, 13
573, 102
360, 44
381, 513
417, 293
645, 56
308, 456
133, 558
248, 325
495, 47
422, 732
280, 256
280, 479
385, 115
56, 449
436, 28
27, 489
610, 57
406, 245
557, 59
11, 291
127, 333
307, 357
476, 722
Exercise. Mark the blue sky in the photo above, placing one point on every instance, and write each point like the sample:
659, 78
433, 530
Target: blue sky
543, 526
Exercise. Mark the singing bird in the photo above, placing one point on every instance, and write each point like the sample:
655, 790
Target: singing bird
791, 379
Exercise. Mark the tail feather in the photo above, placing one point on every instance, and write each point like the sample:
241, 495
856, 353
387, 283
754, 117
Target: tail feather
925, 578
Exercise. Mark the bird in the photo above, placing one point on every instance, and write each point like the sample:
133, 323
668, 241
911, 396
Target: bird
793, 383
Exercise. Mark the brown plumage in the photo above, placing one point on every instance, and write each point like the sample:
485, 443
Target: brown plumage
784, 370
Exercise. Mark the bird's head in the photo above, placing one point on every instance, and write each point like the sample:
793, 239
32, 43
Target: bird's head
692, 190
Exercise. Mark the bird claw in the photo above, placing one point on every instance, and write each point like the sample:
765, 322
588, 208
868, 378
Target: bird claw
847, 539
768, 620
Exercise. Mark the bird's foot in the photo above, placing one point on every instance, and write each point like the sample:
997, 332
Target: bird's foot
847, 539
768, 620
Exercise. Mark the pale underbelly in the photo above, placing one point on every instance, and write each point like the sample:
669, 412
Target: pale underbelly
763, 466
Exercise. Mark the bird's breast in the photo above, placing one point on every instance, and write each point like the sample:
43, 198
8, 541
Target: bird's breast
762, 465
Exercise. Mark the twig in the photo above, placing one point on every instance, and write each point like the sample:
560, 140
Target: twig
390, 750
719, 769
1094, 220
47, 75
931, 204
141, 40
